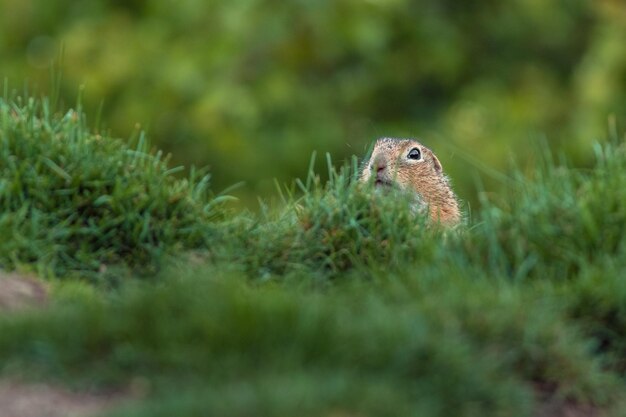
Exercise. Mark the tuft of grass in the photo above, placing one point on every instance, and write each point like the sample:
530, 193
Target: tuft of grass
72, 201
558, 223
331, 229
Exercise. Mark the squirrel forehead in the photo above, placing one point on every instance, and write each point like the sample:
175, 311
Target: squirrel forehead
396, 144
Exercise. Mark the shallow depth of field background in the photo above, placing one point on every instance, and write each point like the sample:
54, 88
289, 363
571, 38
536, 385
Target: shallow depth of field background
251, 88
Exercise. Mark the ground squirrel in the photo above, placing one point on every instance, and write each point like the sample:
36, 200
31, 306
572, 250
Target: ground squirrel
411, 166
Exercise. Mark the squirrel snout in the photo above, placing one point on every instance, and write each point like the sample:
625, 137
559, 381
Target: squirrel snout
378, 164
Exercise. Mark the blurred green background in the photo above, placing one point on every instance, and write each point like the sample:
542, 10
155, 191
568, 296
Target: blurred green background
252, 87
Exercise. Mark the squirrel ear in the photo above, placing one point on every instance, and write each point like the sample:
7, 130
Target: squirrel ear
436, 162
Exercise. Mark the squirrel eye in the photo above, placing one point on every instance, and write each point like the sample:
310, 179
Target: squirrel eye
414, 154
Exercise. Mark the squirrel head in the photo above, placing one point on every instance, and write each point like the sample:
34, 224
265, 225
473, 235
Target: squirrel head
411, 166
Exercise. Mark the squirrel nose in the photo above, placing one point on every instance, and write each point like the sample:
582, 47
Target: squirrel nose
379, 164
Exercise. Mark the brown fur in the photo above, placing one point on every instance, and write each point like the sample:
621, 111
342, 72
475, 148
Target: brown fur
389, 165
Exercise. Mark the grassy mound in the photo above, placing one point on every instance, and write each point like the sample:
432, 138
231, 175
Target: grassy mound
334, 228
73, 201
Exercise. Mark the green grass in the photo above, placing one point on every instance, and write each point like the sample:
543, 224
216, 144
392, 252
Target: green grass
421, 347
339, 301
76, 202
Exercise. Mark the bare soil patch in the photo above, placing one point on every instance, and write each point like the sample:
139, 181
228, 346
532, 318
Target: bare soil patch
567, 409
42, 400
551, 405
19, 291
